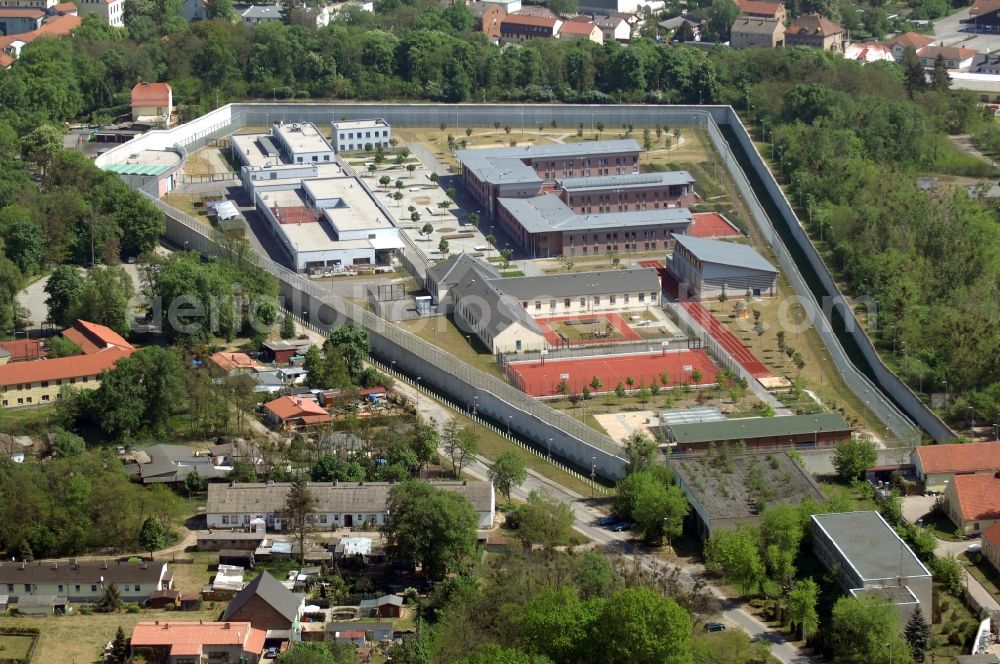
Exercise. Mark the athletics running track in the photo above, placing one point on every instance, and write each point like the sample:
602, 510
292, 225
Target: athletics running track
704, 317
542, 377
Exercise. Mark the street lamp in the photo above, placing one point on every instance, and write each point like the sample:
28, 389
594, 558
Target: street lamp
593, 473
508, 424
866, 414
549, 458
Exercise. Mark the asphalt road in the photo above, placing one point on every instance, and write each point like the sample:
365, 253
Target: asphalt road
586, 514
950, 31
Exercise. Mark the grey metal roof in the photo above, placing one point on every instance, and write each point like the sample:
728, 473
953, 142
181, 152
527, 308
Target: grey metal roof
262, 11
544, 214
501, 309
265, 586
869, 545
26, 601
582, 283
344, 497
675, 22
506, 165
456, 267
725, 253
82, 573
757, 427
666, 178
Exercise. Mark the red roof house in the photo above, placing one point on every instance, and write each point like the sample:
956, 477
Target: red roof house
231, 362
91, 337
991, 545
973, 502
936, 465
757, 8
152, 102
169, 641
291, 412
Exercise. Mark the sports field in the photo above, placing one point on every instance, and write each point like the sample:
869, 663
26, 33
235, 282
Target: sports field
541, 378
586, 329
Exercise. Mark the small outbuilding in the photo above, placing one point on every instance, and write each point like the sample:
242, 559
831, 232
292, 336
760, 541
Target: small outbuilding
707, 268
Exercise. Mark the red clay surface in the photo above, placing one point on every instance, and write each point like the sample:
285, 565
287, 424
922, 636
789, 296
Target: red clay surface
712, 224
617, 322
542, 378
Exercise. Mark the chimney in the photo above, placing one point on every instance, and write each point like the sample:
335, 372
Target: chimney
226, 626
157, 622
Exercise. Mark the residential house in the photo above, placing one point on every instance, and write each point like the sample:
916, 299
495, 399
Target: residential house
233, 363
984, 17
869, 558
754, 32
489, 16
152, 103
985, 63
972, 502
672, 24
15, 20
954, 57
759, 9
387, 606
901, 42
171, 464
519, 27
815, 30
586, 30
706, 268
868, 52
229, 451
83, 581
937, 465
58, 25
626, 7
232, 540
338, 504
266, 605
40, 381
294, 412
111, 12
161, 599
255, 14
991, 545
539, 11
614, 28
508, 6
189, 642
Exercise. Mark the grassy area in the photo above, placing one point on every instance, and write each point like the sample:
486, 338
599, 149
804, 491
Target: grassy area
442, 332
941, 526
977, 565
204, 163
15, 646
585, 328
27, 421
835, 491
953, 613
79, 638
192, 578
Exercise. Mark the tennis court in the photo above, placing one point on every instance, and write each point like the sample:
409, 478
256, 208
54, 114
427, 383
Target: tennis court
542, 377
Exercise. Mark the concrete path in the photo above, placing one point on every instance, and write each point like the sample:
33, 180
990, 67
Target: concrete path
586, 514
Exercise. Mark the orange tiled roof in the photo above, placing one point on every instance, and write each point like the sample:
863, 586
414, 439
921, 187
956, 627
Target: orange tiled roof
22, 349
983, 7
947, 52
917, 41
150, 94
978, 496
814, 25
61, 368
578, 27
759, 7
57, 26
21, 12
189, 638
91, 337
230, 361
959, 458
287, 407
65, 7
992, 534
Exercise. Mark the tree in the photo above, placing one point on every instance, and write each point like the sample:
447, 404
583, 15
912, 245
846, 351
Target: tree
640, 625
119, 648
735, 555
802, 607
427, 229
140, 393
429, 527
384, 181
683, 33
306, 652
948, 571
194, 483
41, 145
507, 472
721, 17
918, 635
459, 443
506, 253
66, 444
914, 75
443, 247
220, 9
110, 600
63, 290
544, 520
287, 327
556, 623
620, 392
853, 458
940, 79
473, 218
25, 244
595, 383
424, 441
300, 504
640, 449
105, 299
494, 654
351, 341
659, 510
866, 629
152, 535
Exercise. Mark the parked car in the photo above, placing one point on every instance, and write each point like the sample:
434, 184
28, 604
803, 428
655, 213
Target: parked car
607, 521
271, 653
714, 627
621, 526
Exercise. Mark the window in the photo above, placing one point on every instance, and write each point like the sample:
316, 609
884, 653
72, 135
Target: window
10, 587
322, 518
137, 588
93, 588
597, 299
626, 298
225, 519
552, 304
642, 297
45, 383
583, 300
614, 298
27, 587
77, 587
538, 305
61, 585
125, 587
652, 296
566, 303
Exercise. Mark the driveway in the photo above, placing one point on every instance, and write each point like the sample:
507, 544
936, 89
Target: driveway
917, 507
586, 514
950, 31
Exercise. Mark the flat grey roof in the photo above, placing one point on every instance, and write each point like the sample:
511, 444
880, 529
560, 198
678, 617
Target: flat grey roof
757, 427
359, 124
506, 165
581, 283
725, 253
869, 545
262, 11
302, 137
895, 594
544, 214
354, 209
637, 180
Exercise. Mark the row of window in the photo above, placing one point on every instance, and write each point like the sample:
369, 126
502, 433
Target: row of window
234, 519
315, 159
634, 246
368, 134
29, 588
46, 383
628, 235
612, 299
623, 197
21, 401
361, 146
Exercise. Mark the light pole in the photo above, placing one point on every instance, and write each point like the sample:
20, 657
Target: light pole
593, 474
996, 432
866, 414
549, 457
475, 411
972, 420
508, 424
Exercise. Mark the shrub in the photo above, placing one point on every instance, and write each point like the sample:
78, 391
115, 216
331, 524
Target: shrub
133, 608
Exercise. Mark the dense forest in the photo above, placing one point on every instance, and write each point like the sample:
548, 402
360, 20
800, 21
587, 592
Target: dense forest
850, 141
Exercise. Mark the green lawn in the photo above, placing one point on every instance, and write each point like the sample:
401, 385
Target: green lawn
15, 646
442, 332
27, 421
984, 572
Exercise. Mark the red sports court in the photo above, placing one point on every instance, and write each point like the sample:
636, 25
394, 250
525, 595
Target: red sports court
542, 378
712, 224
615, 320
